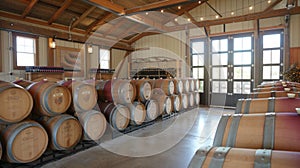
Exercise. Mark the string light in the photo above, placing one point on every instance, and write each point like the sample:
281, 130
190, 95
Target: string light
199, 2
251, 7
176, 19
162, 11
217, 16
179, 7
147, 13
232, 13
201, 18
269, 1
188, 19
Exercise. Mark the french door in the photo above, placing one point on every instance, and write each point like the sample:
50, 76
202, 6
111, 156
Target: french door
231, 69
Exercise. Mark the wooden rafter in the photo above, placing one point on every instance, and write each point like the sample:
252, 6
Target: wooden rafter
28, 8
124, 34
116, 26
156, 5
84, 15
211, 7
147, 21
98, 22
272, 5
108, 6
190, 17
141, 35
64, 6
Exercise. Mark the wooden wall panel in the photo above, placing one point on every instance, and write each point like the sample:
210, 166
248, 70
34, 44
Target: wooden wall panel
295, 56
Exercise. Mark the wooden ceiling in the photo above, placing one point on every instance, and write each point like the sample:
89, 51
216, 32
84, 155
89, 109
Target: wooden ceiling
120, 21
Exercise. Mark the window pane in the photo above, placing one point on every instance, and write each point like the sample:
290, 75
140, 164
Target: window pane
25, 59
219, 72
223, 87
271, 41
219, 45
271, 72
241, 87
267, 72
267, 57
198, 73
275, 72
198, 47
271, 57
242, 58
104, 57
220, 59
246, 87
198, 60
242, 73
242, 43
215, 86
201, 88
237, 87
104, 65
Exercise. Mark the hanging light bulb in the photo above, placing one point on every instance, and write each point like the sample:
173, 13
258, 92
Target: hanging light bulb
162, 11
188, 19
232, 13
217, 16
179, 7
176, 19
201, 18
269, 1
251, 7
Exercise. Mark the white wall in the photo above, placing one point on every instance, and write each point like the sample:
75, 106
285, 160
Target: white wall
295, 33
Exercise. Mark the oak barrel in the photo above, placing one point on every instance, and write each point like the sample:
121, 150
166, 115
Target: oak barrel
226, 157
117, 90
117, 115
176, 103
137, 113
264, 105
143, 90
186, 85
152, 110
164, 102
184, 101
191, 84
197, 98
191, 99
16, 103
178, 86
272, 94
24, 142
278, 131
197, 84
93, 123
64, 131
84, 95
167, 85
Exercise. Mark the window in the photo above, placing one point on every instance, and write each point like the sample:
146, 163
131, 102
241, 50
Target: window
25, 50
197, 61
272, 56
104, 58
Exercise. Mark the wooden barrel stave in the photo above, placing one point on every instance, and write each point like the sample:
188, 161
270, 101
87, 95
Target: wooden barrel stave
137, 113
178, 86
184, 101
164, 102
152, 110
276, 131
176, 103
16, 103
167, 85
93, 123
206, 157
143, 90
191, 99
24, 142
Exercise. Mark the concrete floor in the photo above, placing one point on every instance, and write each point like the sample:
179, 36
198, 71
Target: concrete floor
167, 144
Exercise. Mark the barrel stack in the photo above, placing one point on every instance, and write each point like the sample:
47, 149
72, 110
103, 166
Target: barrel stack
262, 132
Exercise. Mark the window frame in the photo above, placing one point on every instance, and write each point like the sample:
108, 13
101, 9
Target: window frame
36, 55
99, 57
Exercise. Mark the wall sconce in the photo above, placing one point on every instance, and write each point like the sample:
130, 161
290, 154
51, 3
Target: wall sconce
52, 43
290, 4
90, 49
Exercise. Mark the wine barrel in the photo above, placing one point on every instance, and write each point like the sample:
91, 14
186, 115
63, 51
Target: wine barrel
143, 90
226, 157
117, 115
272, 94
64, 131
191, 99
93, 123
184, 101
16, 103
152, 110
176, 103
264, 105
197, 84
118, 91
191, 84
84, 95
197, 98
167, 85
268, 89
164, 102
278, 131
279, 84
137, 113
186, 85
178, 86
24, 142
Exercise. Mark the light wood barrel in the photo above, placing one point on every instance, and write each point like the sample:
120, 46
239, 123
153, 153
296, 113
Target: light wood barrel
278, 131
143, 90
178, 86
167, 85
191, 84
164, 102
184, 101
64, 131
226, 157
93, 123
117, 115
197, 84
191, 99
280, 84
118, 91
268, 89
152, 110
16, 103
84, 95
137, 113
24, 142
264, 105
186, 85
196, 98
272, 94
176, 103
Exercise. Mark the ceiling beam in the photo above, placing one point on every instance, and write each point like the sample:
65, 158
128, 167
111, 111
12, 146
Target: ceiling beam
236, 19
83, 16
141, 35
156, 5
28, 8
211, 7
272, 5
98, 23
128, 31
114, 27
108, 6
64, 6
147, 21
